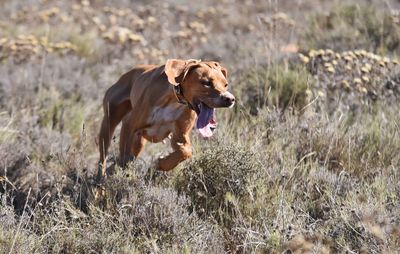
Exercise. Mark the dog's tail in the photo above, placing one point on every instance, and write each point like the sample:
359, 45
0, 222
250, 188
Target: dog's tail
116, 104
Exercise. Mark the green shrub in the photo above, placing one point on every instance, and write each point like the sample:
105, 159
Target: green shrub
353, 26
220, 181
356, 143
64, 115
279, 85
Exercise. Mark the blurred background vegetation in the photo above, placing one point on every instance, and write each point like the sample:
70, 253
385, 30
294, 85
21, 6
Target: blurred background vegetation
306, 162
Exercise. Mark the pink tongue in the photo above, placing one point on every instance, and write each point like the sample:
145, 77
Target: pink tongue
205, 121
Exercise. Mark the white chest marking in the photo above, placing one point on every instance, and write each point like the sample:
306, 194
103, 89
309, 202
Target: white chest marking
170, 113
161, 122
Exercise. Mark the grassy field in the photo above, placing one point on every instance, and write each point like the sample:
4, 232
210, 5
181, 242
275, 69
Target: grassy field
308, 160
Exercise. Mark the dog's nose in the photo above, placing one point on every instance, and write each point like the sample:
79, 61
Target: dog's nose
229, 99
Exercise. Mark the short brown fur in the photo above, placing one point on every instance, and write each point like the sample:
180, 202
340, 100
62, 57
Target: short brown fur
144, 100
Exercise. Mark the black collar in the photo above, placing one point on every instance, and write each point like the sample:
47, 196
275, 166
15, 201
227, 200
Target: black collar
178, 91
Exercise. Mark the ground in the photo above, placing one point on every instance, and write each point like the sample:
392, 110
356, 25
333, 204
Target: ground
306, 162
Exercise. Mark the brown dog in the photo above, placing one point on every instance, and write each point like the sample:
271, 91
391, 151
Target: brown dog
155, 101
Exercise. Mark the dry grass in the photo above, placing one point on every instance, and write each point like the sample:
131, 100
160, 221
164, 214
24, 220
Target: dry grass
306, 162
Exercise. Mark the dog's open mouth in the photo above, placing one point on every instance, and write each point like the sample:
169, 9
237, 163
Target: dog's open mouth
206, 122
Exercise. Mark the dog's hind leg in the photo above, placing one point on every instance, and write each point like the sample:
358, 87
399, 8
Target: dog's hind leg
131, 142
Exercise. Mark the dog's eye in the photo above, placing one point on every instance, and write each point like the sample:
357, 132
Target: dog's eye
207, 83
226, 85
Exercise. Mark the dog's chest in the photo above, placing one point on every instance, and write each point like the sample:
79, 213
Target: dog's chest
166, 114
162, 121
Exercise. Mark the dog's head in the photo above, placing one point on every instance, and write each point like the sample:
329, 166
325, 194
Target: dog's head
204, 86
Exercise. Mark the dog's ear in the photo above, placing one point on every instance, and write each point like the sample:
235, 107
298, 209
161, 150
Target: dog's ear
223, 70
176, 69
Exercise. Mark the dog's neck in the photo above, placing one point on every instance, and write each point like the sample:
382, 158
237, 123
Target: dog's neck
178, 91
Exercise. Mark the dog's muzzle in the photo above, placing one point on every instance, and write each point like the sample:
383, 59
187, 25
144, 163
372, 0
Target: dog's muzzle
228, 100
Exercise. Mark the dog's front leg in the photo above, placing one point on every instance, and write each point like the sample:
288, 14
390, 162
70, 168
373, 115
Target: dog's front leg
182, 150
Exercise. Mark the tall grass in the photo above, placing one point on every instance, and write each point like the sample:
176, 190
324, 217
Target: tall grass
292, 168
